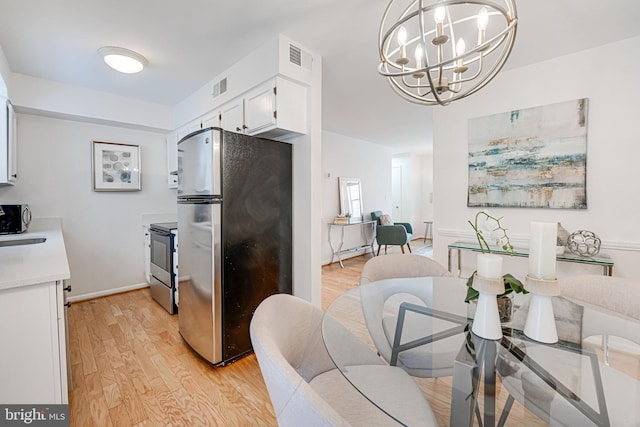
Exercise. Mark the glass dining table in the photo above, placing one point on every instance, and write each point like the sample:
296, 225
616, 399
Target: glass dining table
424, 326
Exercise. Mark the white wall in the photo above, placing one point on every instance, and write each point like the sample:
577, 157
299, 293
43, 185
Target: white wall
102, 230
5, 73
31, 94
349, 157
307, 188
612, 152
426, 178
417, 186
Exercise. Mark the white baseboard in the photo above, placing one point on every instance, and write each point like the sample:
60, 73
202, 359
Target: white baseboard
346, 256
107, 292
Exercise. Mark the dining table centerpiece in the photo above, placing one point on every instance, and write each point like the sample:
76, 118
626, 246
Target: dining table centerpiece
489, 228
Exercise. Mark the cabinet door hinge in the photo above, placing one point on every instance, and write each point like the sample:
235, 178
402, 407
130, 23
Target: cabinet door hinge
275, 114
275, 90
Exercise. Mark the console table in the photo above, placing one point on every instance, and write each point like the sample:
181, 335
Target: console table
600, 259
369, 237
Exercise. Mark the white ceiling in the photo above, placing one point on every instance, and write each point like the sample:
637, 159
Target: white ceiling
189, 42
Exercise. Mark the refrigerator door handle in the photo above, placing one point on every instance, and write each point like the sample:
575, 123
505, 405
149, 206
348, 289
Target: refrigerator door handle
216, 135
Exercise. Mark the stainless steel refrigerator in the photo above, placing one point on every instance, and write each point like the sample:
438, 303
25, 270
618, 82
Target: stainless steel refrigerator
235, 227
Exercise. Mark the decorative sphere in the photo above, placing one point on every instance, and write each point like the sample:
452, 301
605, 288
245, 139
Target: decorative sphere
584, 243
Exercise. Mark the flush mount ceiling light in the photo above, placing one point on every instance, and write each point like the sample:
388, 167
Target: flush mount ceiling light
456, 46
123, 60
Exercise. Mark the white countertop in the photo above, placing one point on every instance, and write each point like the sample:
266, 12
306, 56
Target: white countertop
26, 265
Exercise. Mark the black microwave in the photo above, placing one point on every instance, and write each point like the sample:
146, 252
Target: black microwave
14, 218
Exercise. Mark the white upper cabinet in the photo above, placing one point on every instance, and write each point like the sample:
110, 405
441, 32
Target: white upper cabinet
172, 159
260, 108
288, 104
275, 109
252, 97
185, 130
232, 116
8, 143
211, 120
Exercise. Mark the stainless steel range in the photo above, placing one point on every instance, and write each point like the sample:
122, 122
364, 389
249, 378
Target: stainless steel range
164, 265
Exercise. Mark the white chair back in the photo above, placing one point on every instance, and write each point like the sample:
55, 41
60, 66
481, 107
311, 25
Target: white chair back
303, 383
286, 338
619, 296
400, 265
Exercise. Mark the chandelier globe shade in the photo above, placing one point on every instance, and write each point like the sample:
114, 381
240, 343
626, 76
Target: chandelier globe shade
438, 51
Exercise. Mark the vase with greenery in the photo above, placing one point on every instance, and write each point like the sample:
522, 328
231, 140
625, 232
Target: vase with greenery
489, 228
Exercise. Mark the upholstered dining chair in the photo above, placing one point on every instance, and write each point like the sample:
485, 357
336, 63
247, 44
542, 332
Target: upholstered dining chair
398, 265
398, 233
615, 295
381, 316
306, 388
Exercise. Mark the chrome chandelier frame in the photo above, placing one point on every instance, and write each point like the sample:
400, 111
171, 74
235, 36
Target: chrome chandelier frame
443, 70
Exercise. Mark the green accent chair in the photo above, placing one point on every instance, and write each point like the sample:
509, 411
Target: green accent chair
400, 233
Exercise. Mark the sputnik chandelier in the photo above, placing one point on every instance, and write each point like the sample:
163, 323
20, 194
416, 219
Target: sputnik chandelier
436, 52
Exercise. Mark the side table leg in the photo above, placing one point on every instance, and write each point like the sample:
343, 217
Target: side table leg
333, 251
373, 237
340, 246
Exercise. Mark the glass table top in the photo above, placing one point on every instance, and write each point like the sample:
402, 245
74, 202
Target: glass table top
566, 382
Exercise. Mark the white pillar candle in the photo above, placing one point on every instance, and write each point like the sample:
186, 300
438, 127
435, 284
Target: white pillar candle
490, 266
542, 250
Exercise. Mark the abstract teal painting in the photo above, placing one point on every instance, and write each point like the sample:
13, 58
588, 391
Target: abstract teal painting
530, 158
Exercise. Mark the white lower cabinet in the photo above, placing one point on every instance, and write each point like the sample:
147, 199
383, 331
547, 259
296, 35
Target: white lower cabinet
147, 253
33, 359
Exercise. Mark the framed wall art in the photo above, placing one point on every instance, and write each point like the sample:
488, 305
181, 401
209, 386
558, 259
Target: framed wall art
530, 158
116, 167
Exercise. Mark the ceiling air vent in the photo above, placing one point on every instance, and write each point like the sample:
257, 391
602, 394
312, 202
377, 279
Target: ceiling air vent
219, 88
299, 57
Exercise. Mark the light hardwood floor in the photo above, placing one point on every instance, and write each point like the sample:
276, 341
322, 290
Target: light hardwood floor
130, 367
